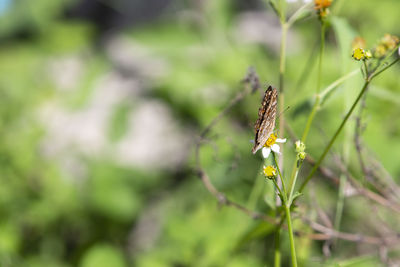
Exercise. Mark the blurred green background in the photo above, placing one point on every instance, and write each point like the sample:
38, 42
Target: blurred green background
102, 101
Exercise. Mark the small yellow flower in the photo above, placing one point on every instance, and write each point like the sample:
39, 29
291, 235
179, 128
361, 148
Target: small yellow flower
270, 171
358, 53
380, 51
321, 4
271, 140
270, 145
390, 41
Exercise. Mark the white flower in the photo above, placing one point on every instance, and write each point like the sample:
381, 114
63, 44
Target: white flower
271, 145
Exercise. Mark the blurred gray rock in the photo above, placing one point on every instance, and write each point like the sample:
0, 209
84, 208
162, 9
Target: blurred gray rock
154, 138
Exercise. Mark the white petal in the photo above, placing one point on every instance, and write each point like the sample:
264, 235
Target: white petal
265, 152
275, 148
278, 140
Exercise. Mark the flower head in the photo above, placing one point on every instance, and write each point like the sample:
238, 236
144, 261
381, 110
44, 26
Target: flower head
322, 7
300, 146
390, 41
358, 54
269, 171
380, 51
387, 43
270, 145
320, 4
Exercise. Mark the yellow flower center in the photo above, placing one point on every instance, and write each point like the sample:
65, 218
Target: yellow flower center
271, 140
270, 171
358, 53
380, 51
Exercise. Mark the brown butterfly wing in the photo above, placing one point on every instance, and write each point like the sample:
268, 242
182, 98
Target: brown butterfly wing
265, 123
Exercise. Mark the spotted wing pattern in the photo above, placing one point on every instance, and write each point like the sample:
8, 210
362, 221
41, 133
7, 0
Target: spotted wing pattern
265, 123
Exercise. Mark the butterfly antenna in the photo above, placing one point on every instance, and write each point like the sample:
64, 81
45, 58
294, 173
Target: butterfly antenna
283, 111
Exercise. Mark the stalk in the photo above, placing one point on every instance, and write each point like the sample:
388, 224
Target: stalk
284, 195
333, 139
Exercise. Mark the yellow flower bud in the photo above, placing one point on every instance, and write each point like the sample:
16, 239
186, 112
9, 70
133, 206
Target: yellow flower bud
358, 53
270, 171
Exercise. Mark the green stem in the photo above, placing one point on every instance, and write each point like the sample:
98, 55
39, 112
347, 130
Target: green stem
333, 139
346, 151
277, 187
284, 196
287, 212
281, 98
317, 104
282, 68
292, 185
373, 75
296, 14
321, 54
291, 237
283, 11
333, 85
277, 253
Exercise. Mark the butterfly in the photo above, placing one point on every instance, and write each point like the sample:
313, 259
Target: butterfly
265, 123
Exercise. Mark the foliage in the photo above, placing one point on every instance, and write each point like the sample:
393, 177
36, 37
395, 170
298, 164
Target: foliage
51, 217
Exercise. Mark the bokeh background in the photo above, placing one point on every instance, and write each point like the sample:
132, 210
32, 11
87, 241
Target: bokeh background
102, 101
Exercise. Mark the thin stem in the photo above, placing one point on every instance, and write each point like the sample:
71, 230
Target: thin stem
292, 186
296, 14
287, 212
328, 147
281, 103
284, 196
291, 237
330, 87
333, 139
366, 68
321, 54
373, 75
277, 251
281, 98
317, 104
283, 11
279, 189
282, 64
